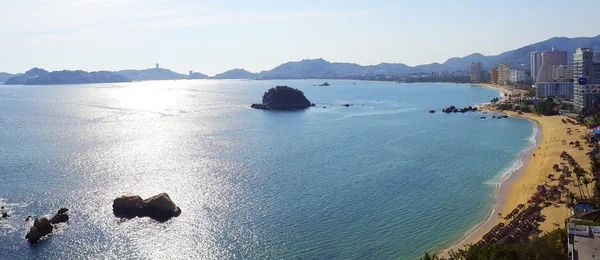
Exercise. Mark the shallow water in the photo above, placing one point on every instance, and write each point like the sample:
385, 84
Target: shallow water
382, 179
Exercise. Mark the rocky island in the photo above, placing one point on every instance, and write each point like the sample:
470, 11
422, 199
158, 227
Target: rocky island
283, 98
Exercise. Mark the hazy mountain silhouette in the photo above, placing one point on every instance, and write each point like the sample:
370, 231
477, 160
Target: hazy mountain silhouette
38, 76
322, 69
235, 74
4, 76
151, 74
521, 57
198, 75
21, 79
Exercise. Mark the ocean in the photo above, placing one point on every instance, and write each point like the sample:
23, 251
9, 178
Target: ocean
382, 179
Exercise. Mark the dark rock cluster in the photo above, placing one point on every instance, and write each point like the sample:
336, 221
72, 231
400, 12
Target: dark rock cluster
44, 226
453, 109
159, 207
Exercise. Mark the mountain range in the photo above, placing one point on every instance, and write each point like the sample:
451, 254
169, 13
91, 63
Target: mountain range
322, 69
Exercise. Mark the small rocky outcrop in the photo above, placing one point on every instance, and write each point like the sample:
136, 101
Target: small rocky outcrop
159, 207
283, 98
345, 105
431, 111
44, 226
453, 109
324, 85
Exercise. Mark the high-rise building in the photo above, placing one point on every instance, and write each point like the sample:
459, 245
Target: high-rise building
583, 63
516, 76
554, 89
549, 59
536, 63
486, 76
475, 72
586, 79
503, 73
562, 73
494, 75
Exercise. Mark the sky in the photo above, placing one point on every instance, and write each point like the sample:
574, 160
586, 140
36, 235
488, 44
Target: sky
215, 36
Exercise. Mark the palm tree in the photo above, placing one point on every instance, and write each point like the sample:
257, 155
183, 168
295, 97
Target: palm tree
430, 257
595, 166
586, 181
571, 196
579, 173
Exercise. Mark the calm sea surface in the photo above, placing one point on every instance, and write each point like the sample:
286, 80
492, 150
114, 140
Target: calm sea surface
383, 179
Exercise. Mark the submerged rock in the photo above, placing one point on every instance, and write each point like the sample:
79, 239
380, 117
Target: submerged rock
159, 207
283, 98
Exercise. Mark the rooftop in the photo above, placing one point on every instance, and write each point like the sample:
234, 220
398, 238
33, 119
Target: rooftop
584, 241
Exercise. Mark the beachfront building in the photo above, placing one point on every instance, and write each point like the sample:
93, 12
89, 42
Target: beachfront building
476, 72
517, 76
550, 59
536, 63
586, 79
503, 73
562, 73
493, 75
583, 241
554, 89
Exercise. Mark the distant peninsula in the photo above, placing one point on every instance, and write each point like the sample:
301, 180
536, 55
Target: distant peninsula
283, 98
37, 76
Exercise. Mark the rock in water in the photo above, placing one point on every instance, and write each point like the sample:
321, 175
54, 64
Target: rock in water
431, 111
128, 206
283, 98
324, 85
60, 216
41, 227
159, 207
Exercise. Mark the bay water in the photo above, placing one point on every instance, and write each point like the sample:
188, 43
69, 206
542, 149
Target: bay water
382, 179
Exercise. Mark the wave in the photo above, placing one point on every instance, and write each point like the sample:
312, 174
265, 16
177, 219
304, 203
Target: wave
504, 176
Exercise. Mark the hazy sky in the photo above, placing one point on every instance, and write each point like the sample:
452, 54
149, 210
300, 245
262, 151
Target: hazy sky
213, 36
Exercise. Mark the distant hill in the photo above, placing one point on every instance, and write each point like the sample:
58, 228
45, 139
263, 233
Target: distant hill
151, 74
4, 76
322, 69
37, 76
198, 75
521, 56
235, 74
21, 79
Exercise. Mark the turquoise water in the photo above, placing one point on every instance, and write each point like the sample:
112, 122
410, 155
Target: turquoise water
382, 179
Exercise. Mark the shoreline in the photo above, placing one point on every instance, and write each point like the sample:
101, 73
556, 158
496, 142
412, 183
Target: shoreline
551, 140
501, 192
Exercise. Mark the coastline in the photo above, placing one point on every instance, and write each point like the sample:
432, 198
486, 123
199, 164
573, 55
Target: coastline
537, 163
494, 87
502, 191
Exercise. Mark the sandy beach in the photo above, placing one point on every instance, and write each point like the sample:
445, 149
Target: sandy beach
537, 164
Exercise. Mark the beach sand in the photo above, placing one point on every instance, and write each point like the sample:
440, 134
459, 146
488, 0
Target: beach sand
520, 186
